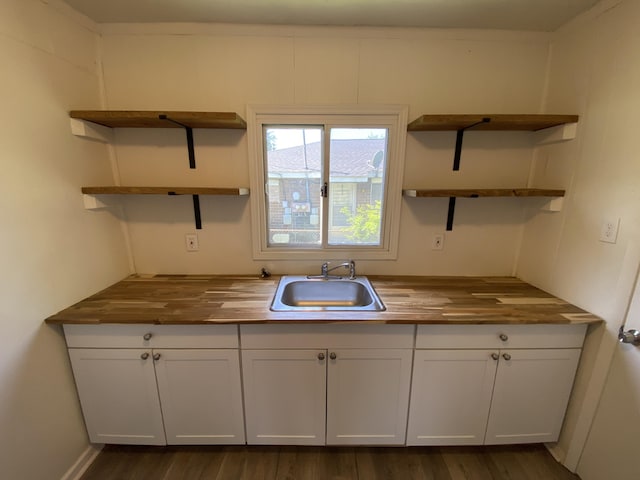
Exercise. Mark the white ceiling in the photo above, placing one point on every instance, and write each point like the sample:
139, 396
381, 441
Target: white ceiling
535, 15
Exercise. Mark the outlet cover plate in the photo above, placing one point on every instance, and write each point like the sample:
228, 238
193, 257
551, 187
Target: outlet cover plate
191, 240
437, 242
609, 230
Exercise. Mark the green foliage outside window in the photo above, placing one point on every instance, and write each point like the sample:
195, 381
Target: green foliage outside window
364, 225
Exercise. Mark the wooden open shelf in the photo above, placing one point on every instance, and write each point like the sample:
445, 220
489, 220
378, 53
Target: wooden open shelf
151, 119
462, 123
453, 193
154, 119
496, 122
118, 190
485, 192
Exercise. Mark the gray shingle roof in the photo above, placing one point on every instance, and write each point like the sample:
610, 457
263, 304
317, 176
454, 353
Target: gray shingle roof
349, 158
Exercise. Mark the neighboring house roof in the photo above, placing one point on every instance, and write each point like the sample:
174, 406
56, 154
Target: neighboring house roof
349, 158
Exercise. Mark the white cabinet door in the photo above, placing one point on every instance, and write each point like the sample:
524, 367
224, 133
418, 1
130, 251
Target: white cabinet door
285, 396
450, 396
118, 394
201, 396
530, 395
368, 396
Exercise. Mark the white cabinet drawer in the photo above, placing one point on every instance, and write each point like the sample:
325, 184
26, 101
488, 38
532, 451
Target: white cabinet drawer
500, 336
351, 335
151, 336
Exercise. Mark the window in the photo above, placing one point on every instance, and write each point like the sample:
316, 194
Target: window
326, 183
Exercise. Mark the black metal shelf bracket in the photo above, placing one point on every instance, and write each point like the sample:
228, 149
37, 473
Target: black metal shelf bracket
196, 212
192, 164
189, 130
196, 209
456, 166
450, 213
459, 136
452, 210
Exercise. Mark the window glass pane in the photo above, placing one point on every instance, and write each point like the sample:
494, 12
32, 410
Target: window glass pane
293, 170
357, 174
343, 202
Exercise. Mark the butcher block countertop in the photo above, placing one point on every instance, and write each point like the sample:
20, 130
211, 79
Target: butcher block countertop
209, 299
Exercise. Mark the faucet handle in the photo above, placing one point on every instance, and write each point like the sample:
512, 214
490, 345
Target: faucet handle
352, 269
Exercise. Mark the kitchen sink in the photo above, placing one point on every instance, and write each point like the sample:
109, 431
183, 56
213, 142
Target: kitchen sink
301, 293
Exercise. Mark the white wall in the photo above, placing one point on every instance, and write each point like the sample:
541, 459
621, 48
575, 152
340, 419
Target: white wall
225, 68
594, 71
52, 252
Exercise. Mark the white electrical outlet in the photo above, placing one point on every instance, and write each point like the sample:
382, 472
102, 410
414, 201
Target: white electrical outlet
437, 242
609, 230
191, 240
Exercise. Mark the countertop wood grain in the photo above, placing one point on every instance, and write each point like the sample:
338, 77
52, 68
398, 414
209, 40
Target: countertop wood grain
209, 299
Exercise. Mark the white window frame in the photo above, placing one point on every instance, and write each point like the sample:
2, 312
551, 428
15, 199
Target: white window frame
392, 117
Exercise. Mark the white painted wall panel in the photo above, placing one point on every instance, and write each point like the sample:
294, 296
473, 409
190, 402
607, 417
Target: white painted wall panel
225, 68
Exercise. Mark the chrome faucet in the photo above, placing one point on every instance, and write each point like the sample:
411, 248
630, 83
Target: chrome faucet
351, 265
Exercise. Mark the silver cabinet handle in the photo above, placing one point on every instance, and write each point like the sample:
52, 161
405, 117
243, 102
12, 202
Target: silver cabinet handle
156, 356
506, 356
495, 356
321, 356
333, 355
503, 337
147, 336
144, 356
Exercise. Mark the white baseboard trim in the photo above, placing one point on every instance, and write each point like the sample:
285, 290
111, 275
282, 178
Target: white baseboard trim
83, 463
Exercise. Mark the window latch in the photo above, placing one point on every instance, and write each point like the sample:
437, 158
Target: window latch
324, 190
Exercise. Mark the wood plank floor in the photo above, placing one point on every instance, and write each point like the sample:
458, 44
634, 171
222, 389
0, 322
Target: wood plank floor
117, 462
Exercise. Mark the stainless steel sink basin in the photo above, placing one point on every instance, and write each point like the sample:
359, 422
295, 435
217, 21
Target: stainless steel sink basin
300, 293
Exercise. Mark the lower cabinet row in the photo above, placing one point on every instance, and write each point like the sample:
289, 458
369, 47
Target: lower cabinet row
317, 396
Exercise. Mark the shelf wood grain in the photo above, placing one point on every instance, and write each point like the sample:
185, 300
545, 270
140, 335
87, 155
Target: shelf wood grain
485, 192
496, 122
151, 119
119, 190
